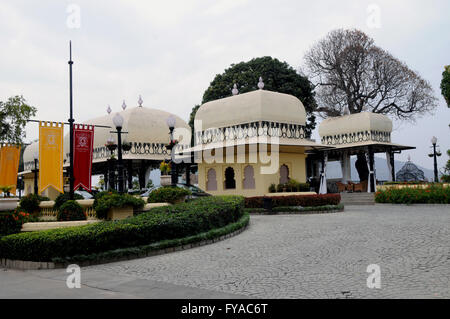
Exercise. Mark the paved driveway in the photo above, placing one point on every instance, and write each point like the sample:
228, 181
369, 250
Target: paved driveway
292, 256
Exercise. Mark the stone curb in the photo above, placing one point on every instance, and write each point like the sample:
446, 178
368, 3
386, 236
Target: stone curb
32, 265
310, 212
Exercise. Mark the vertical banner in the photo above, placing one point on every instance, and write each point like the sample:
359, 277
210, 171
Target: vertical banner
83, 143
51, 156
9, 166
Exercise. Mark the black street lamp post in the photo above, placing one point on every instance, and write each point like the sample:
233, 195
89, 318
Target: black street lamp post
171, 121
118, 123
111, 146
435, 155
71, 121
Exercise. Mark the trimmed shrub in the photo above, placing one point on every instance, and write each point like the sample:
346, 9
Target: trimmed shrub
295, 200
70, 211
106, 200
62, 198
30, 203
168, 194
162, 223
433, 194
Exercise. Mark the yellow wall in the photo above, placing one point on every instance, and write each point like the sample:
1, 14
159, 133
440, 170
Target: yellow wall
295, 162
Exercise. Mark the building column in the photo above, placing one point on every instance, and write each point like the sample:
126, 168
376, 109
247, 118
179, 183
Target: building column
142, 172
391, 158
106, 176
371, 171
130, 174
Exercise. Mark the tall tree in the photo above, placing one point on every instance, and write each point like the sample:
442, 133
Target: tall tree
278, 76
14, 114
351, 72
445, 84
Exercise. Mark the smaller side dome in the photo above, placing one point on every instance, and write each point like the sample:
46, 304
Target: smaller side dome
356, 128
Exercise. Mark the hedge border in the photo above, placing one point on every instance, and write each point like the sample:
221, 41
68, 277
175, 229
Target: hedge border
328, 209
159, 248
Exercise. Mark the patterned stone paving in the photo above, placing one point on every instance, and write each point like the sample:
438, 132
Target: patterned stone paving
316, 256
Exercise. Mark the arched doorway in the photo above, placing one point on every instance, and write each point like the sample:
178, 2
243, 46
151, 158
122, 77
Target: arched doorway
211, 183
230, 182
284, 174
249, 177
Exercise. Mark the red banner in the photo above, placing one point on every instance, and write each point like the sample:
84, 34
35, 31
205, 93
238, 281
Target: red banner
83, 143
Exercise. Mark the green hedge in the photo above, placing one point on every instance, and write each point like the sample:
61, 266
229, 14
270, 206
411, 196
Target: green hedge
433, 194
162, 223
168, 194
142, 251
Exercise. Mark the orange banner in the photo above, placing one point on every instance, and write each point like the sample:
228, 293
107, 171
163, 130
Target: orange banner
9, 166
51, 156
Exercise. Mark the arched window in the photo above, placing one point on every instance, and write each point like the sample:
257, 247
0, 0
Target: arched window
284, 174
249, 177
211, 183
230, 182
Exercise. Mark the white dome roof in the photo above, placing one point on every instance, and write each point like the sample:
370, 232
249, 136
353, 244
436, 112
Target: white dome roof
355, 123
255, 106
144, 125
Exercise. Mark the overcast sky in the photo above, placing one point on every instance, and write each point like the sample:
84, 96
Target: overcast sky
169, 51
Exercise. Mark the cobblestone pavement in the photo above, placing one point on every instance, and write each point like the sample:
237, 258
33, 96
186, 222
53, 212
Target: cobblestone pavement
316, 256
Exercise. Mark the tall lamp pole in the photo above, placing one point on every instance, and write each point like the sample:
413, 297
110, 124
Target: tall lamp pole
435, 155
71, 120
171, 121
118, 123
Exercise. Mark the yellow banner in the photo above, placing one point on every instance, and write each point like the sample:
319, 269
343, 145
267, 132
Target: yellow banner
51, 156
9, 166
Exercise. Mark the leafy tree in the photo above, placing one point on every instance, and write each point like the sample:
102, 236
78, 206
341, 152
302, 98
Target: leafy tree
351, 73
446, 171
278, 76
14, 114
445, 85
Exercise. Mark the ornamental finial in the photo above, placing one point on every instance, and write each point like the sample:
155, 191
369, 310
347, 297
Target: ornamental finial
109, 110
235, 90
261, 83
124, 105
140, 101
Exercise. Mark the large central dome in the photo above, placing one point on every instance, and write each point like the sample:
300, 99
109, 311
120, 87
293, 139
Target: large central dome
255, 106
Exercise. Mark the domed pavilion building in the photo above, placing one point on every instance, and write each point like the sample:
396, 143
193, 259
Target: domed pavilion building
247, 142
144, 131
364, 133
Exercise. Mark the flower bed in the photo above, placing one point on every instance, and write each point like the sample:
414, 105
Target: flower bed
432, 194
11, 222
162, 223
295, 200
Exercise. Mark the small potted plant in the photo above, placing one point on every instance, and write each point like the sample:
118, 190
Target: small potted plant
166, 179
